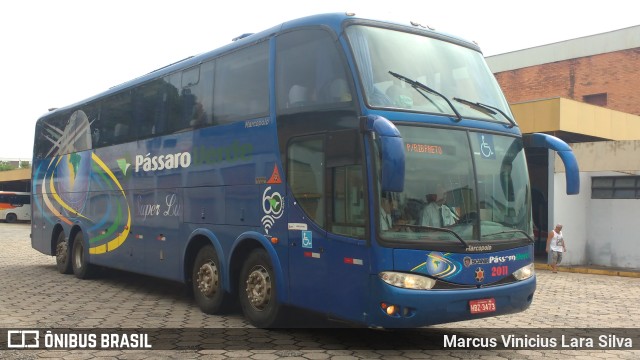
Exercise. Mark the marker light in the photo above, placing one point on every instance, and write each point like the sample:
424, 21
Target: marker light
388, 308
407, 281
524, 272
391, 309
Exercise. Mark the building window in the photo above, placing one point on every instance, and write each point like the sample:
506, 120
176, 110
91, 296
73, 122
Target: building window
615, 187
596, 99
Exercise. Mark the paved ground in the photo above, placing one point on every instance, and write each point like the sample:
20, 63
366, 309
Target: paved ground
34, 295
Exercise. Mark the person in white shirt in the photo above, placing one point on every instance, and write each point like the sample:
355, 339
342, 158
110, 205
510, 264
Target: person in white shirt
431, 213
555, 244
437, 212
386, 222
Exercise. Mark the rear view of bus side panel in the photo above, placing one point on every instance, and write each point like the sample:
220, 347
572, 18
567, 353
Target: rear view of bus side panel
39, 238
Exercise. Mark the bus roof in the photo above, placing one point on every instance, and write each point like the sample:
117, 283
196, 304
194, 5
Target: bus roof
332, 20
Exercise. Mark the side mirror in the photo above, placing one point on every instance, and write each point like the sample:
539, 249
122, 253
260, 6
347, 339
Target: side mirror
391, 150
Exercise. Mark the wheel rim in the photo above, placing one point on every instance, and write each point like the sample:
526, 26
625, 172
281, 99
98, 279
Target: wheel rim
259, 288
61, 252
208, 278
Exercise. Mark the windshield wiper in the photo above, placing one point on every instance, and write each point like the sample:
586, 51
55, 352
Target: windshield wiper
512, 231
440, 230
418, 85
487, 109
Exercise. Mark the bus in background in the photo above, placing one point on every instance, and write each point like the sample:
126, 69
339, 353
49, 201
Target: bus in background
15, 206
366, 170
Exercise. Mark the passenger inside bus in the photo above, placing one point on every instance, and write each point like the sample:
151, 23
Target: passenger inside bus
298, 96
386, 222
400, 96
391, 216
431, 212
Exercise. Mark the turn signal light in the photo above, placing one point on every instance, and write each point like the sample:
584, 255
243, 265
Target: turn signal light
389, 309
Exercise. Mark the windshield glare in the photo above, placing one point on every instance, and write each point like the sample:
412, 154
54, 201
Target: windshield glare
450, 69
441, 191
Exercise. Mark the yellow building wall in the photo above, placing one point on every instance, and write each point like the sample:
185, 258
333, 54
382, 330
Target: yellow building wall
14, 175
618, 156
559, 114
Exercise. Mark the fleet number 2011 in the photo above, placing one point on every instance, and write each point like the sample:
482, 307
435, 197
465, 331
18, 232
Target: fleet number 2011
499, 270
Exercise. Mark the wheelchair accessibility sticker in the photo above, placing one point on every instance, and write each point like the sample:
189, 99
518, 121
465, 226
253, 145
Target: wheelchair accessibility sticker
486, 146
307, 239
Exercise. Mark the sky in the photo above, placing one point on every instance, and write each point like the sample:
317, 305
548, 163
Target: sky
57, 52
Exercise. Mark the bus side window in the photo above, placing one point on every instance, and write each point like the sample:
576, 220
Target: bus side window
241, 89
116, 118
310, 72
193, 111
348, 203
172, 105
306, 175
147, 107
197, 92
343, 162
45, 145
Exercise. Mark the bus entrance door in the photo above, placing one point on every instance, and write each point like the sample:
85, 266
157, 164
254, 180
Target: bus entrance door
308, 270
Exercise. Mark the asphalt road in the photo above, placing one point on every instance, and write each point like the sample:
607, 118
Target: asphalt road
33, 295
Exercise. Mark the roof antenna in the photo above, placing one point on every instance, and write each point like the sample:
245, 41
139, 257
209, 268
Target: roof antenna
241, 36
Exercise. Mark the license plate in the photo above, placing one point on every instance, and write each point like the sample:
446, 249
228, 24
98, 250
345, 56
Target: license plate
482, 305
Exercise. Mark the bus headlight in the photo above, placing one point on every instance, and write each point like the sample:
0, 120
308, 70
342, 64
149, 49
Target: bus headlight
407, 281
524, 272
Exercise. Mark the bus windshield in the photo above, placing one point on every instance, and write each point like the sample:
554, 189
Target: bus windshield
385, 56
444, 199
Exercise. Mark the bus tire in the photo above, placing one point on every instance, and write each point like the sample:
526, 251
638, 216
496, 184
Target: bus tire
206, 281
63, 260
79, 262
11, 218
257, 291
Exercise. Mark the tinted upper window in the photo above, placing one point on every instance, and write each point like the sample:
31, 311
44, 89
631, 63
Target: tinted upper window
242, 84
176, 102
310, 72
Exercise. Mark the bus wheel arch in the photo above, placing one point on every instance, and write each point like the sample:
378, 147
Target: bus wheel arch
257, 278
258, 293
82, 269
11, 218
204, 272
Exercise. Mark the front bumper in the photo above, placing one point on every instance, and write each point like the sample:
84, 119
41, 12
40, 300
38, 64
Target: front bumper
416, 308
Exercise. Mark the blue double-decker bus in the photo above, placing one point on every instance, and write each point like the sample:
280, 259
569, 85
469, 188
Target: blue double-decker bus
366, 170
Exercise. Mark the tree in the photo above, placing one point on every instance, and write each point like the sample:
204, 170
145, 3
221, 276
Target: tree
4, 166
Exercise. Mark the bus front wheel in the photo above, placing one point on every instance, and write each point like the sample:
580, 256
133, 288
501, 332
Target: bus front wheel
63, 260
11, 218
79, 262
207, 282
258, 291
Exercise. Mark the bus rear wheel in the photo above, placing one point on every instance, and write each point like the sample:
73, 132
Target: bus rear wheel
11, 218
258, 296
206, 281
63, 260
79, 262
